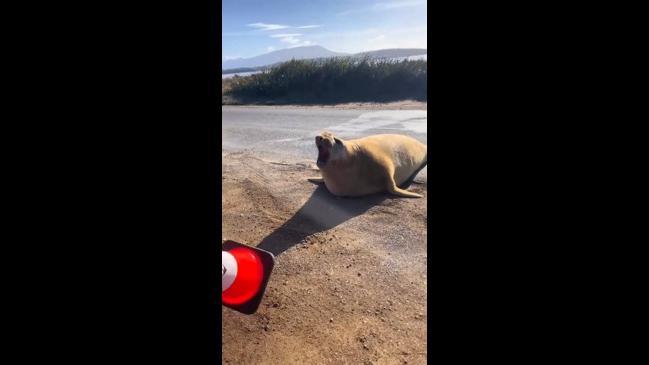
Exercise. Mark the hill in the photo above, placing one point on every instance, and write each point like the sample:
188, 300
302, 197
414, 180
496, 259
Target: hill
393, 53
265, 61
282, 55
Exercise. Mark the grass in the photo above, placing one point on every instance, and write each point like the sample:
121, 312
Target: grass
330, 81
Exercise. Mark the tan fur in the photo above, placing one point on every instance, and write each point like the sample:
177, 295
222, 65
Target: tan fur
371, 164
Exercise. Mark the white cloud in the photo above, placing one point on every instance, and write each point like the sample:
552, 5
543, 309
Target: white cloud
285, 35
290, 40
382, 6
270, 48
301, 44
267, 27
398, 4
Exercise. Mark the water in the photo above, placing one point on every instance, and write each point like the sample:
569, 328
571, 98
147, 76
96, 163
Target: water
242, 74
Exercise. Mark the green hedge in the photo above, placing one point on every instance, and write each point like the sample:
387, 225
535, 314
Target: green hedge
336, 79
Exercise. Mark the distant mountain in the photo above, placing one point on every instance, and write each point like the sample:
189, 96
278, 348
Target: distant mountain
282, 55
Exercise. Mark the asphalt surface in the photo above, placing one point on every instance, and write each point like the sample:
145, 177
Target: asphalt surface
287, 134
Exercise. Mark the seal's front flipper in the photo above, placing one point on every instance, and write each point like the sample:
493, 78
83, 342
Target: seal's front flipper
317, 180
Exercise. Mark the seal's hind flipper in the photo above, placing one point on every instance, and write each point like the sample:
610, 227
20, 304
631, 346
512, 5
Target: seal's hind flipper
404, 193
394, 189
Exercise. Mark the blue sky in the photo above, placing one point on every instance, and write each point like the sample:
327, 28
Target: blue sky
253, 27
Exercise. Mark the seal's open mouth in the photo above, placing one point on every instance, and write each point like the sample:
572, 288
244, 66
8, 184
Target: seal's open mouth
323, 155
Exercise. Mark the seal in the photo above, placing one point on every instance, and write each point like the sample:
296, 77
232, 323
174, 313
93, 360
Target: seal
373, 164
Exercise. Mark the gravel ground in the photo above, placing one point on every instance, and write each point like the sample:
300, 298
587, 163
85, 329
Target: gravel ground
349, 284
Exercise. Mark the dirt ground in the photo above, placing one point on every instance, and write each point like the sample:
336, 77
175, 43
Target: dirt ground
349, 283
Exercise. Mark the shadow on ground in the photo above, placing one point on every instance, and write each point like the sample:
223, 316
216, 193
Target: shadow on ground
321, 212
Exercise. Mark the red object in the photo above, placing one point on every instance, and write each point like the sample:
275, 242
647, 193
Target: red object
249, 279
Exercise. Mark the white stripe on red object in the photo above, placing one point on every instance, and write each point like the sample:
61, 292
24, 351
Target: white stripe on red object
228, 270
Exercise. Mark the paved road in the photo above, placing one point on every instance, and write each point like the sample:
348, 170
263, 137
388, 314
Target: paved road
288, 133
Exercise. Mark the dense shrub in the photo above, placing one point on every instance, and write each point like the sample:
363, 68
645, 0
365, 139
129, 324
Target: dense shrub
335, 80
